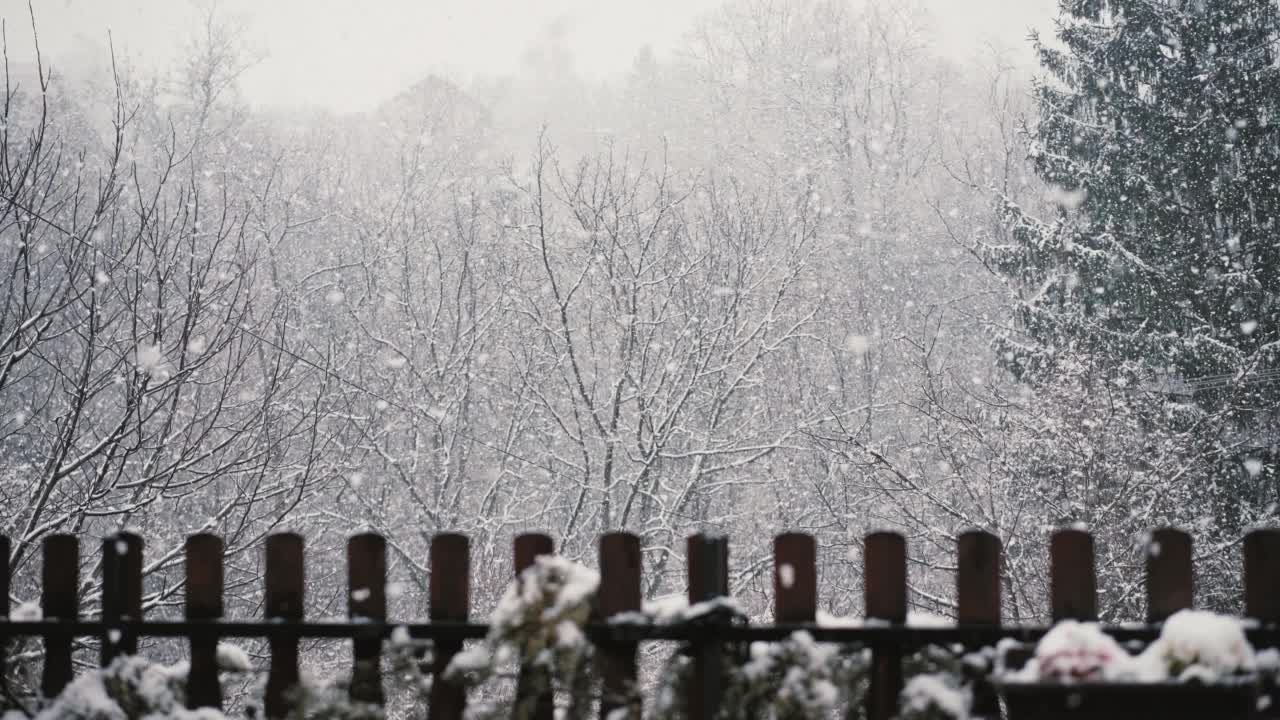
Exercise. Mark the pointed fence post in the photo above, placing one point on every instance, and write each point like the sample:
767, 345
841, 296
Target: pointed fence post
204, 604
450, 601
367, 602
619, 593
533, 688
885, 580
285, 580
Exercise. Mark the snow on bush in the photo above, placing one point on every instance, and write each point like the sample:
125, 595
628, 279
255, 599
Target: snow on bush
1077, 652
539, 623
794, 679
545, 608
232, 658
1199, 645
935, 696
1194, 645
129, 687
797, 677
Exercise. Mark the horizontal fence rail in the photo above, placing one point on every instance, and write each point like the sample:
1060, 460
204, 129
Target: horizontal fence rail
1073, 595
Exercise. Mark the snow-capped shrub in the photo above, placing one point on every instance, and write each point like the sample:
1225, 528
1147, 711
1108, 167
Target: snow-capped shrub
538, 623
129, 687
1198, 645
232, 658
1077, 652
545, 607
935, 696
796, 678
1193, 645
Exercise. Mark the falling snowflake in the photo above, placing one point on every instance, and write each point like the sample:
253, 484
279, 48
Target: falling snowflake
856, 344
150, 359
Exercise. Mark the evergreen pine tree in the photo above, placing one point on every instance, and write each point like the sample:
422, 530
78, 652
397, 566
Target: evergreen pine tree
1159, 134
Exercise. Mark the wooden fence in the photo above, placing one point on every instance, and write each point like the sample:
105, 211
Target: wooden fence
1169, 586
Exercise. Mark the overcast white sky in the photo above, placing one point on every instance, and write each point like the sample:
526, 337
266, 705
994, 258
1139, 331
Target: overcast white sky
350, 55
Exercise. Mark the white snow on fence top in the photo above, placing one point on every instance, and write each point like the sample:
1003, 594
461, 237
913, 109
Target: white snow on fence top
914, 619
673, 609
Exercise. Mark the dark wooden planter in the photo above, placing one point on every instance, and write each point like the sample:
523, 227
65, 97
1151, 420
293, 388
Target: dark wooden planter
1114, 701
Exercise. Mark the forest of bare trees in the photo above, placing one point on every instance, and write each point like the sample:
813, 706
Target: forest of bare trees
743, 289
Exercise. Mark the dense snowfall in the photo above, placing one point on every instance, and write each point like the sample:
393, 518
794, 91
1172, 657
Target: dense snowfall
803, 272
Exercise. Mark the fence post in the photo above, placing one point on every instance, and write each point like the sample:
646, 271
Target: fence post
121, 594
1073, 593
885, 580
978, 601
450, 593
619, 593
1170, 580
367, 601
1262, 597
204, 604
533, 688
59, 600
795, 578
5, 610
285, 580
708, 567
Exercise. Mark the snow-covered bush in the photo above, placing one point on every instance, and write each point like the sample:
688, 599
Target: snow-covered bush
1194, 645
130, 687
796, 678
539, 624
1077, 652
792, 679
935, 696
1198, 645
